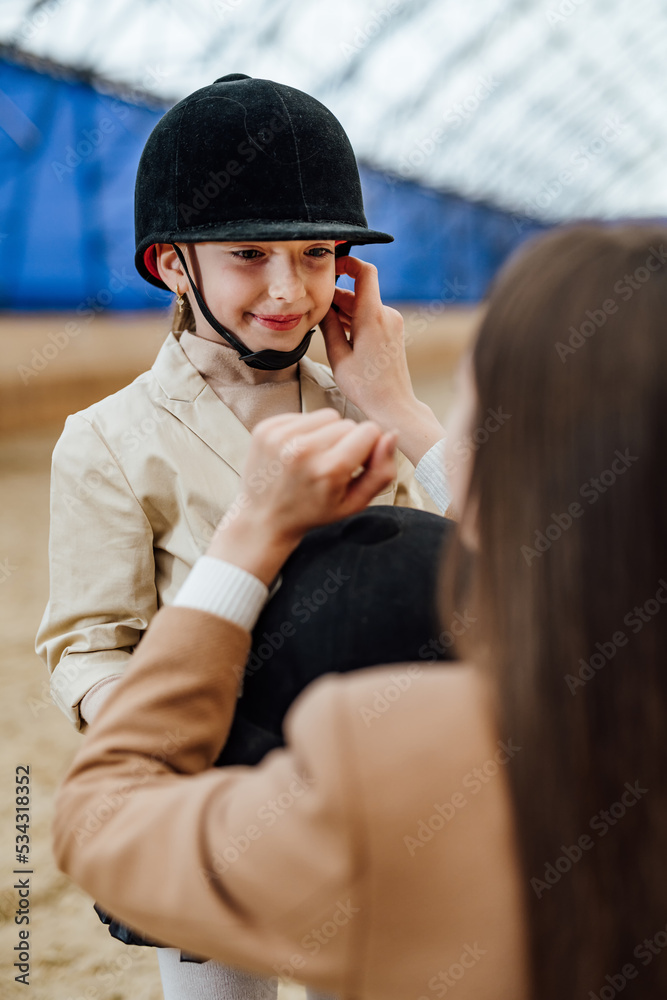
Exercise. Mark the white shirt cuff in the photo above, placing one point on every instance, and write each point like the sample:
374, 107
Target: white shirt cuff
223, 589
430, 473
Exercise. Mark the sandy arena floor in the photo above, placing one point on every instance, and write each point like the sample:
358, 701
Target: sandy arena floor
73, 956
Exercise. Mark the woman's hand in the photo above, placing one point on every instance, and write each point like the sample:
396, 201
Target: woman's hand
303, 470
371, 368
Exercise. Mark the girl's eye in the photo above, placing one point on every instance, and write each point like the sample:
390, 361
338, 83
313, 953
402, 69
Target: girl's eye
246, 254
251, 254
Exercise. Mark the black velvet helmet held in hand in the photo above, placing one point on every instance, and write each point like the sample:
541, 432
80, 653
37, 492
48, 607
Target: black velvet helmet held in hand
247, 159
353, 594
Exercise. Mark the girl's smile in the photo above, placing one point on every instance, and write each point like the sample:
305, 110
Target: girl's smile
256, 290
279, 322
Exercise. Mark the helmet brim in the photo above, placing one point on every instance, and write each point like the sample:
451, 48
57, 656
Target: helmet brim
258, 230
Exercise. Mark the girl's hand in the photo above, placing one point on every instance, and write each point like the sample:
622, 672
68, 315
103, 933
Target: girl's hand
303, 470
371, 368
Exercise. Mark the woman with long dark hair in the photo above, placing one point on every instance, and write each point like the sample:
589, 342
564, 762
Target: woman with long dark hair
565, 514
496, 827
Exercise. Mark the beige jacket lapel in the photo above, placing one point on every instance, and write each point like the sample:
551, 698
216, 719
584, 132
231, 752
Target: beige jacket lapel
192, 401
318, 388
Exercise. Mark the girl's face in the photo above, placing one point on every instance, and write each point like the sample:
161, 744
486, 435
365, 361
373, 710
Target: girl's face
268, 294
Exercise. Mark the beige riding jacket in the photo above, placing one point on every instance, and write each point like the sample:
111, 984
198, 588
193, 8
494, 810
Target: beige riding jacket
139, 482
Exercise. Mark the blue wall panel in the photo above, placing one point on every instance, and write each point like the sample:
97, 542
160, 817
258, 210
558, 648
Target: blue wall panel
446, 249
68, 158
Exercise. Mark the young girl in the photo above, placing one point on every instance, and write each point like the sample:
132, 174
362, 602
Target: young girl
246, 191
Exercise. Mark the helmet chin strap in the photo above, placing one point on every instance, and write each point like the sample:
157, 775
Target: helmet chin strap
267, 360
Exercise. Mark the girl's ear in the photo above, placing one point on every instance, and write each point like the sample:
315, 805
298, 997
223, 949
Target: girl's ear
169, 266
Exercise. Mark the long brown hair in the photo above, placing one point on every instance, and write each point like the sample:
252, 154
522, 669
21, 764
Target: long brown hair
570, 580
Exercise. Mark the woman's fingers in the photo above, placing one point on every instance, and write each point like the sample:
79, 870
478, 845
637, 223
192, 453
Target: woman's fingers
279, 426
291, 435
345, 300
325, 451
366, 284
335, 340
317, 441
354, 448
337, 447
380, 471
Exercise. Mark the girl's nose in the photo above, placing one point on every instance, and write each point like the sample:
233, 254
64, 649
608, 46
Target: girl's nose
286, 281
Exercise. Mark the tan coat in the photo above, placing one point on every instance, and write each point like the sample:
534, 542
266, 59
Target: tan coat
373, 858
139, 482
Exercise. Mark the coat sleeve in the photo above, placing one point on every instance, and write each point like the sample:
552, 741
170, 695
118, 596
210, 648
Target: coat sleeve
243, 865
409, 493
102, 572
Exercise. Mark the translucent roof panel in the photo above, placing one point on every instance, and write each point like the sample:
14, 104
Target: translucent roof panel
554, 108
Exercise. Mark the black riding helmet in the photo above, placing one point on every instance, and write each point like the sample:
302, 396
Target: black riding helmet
247, 159
353, 594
